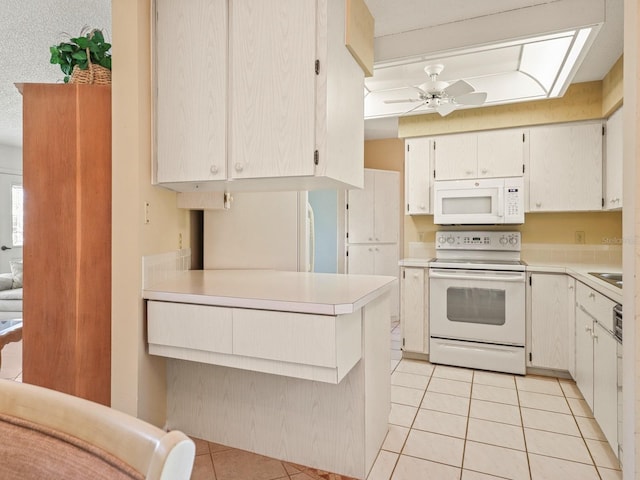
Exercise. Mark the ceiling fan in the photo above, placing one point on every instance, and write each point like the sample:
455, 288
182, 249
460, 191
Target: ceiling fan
442, 96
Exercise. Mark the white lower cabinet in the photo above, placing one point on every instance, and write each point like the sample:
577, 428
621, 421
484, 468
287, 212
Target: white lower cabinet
375, 259
414, 306
596, 359
605, 385
551, 343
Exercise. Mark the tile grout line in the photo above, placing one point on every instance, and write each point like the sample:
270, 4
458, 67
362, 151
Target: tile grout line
524, 436
466, 432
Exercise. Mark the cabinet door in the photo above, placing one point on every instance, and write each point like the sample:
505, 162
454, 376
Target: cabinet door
417, 177
605, 388
413, 311
501, 153
386, 258
191, 102
550, 332
386, 206
456, 156
360, 215
566, 167
361, 259
584, 355
613, 162
273, 45
571, 318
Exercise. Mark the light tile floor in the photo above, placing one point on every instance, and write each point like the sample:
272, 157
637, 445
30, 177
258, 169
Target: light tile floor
463, 424
446, 423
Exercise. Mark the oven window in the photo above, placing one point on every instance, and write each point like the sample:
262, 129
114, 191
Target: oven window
466, 205
484, 306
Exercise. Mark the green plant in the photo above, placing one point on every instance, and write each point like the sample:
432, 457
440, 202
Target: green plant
74, 52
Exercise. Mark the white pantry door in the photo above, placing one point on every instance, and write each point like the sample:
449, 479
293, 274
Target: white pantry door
8, 249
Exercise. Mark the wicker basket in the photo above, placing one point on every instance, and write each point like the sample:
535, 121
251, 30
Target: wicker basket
94, 74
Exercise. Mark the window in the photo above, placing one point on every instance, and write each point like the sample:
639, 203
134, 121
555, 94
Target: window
17, 216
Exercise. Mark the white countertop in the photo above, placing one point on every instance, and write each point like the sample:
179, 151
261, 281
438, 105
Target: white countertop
316, 293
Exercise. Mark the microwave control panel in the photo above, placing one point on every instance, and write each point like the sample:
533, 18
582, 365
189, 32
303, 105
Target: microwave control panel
512, 201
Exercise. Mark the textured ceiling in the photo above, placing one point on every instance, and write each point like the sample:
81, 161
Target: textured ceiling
29, 27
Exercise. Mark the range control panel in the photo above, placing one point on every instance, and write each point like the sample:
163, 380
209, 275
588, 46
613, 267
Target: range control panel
465, 240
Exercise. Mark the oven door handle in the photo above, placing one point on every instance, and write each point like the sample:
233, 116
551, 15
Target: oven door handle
517, 277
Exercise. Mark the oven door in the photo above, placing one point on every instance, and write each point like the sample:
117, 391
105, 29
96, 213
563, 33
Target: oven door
477, 305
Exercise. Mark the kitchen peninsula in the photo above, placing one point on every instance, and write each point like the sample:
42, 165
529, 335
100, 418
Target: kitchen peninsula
286, 364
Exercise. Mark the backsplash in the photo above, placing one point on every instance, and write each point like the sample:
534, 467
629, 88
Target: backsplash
571, 253
162, 266
545, 252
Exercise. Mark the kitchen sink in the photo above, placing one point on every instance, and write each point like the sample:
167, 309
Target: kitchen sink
612, 278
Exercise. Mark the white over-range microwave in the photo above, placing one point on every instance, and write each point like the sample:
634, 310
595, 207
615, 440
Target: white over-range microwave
483, 201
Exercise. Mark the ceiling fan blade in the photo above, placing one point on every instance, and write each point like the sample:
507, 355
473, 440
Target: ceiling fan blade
418, 89
458, 88
475, 98
414, 108
403, 100
445, 109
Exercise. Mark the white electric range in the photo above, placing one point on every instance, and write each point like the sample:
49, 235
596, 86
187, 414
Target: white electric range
477, 301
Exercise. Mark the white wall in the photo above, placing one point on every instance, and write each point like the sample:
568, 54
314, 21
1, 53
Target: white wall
10, 159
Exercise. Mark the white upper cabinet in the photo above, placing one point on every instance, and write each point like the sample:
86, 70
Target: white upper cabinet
501, 153
417, 176
274, 103
491, 154
613, 162
191, 90
456, 156
272, 88
566, 167
373, 213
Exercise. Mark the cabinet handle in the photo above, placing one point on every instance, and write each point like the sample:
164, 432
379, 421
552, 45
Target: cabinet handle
587, 328
239, 167
484, 170
370, 249
468, 172
370, 239
377, 239
592, 295
538, 204
377, 250
422, 207
214, 169
415, 275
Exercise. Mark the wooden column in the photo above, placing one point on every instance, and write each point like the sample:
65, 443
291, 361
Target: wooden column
67, 238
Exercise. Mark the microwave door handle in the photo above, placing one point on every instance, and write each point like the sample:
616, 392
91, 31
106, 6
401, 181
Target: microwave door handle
500, 202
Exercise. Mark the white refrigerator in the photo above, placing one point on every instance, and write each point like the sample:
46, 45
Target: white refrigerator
276, 230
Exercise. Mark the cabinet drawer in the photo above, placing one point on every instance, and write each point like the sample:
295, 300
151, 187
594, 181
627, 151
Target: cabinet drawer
318, 340
197, 327
596, 305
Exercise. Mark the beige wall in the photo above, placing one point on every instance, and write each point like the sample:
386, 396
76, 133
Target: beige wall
138, 380
612, 88
582, 101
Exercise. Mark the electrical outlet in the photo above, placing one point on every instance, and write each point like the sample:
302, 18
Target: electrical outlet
579, 237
